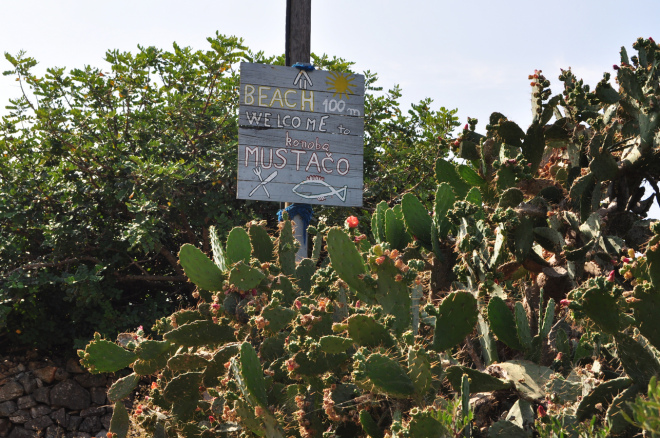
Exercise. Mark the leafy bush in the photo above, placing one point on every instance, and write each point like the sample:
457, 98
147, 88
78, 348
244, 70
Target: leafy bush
526, 303
105, 173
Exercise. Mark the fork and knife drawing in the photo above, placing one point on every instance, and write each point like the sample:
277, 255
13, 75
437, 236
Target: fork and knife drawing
269, 178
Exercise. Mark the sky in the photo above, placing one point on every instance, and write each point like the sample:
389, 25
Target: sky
474, 56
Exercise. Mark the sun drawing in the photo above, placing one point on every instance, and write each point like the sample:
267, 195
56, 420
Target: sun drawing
340, 83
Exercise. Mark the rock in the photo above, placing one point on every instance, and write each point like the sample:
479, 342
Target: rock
46, 374
40, 410
42, 395
98, 395
93, 412
90, 380
29, 383
61, 375
19, 432
7, 408
80, 435
102, 434
73, 366
90, 424
26, 402
5, 425
54, 432
73, 422
39, 423
71, 395
11, 391
20, 416
105, 421
60, 417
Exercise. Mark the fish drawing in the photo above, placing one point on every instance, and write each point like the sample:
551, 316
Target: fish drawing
322, 187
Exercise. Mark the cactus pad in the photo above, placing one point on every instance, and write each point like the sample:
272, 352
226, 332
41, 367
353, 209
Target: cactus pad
245, 277
456, 318
345, 258
388, 377
123, 387
183, 393
262, 246
601, 395
201, 333
186, 362
120, 422
479, 381
369, 425
200, 269
417, 219
102, 356
365, 331
335, 344
239, 247
253, 375
503, 323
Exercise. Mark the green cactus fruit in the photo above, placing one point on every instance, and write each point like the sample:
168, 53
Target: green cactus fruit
479, 381
200, 269
600, 397
417, 219
388, 377
201, 333
304, 272
345, 258
638, 362
528, 377
216, 367
245, 277
123, 387
506, 429
419, 369
103, 356
278, 317
149, 350
335, 344
602, 308
378, 222
395, 228
219, 257
369, 425
183, 393
119, 424
522, 326
253, 374
456, 318
286, 249
424, 425
365, 331
239, 247
445, 172
619, 409
511, 197
647, 313
444, 201
262, 246
186, 362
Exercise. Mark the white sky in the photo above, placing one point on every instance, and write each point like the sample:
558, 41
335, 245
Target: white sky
473, 55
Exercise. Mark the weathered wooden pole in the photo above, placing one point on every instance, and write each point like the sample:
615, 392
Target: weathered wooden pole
297, 49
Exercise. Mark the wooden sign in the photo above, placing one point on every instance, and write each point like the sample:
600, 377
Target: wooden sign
300, 135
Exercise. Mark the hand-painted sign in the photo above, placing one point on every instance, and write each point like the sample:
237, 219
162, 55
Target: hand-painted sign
300, 135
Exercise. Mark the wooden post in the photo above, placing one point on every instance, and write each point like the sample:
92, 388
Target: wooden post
297, 49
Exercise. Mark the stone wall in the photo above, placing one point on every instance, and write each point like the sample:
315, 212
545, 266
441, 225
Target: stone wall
52, 398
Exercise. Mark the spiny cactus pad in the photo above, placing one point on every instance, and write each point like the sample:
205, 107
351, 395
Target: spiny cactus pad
120, 421
262, 246
239, 247
456, 318
365, 331
200, 269
388, 376
503, 323
417, 219
186, 362
601, 395
479, 381
253, 375
245, 277
103, 356
123, 387
345, 258
200, 333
